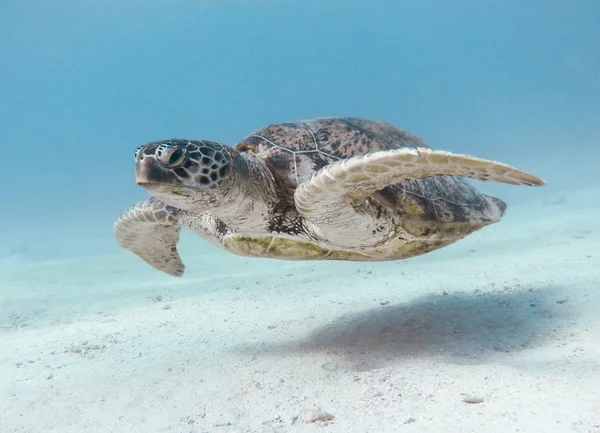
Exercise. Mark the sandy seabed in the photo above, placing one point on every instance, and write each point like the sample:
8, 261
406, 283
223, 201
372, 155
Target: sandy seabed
497, 333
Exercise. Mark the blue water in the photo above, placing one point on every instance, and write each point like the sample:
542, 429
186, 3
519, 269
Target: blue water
82, 84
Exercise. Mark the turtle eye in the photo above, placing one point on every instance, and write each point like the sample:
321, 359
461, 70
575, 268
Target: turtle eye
137, 153
176, 157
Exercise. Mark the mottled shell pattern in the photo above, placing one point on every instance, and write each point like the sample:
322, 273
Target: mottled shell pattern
298, 149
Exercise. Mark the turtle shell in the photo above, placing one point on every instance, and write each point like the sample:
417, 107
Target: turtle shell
295, 150
298, 149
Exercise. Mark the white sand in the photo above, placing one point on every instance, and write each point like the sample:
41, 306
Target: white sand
509, 316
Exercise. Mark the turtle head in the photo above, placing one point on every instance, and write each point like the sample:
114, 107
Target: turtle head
183, 173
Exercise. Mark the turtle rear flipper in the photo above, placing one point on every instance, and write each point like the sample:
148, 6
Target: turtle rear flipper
332, 198
150, 230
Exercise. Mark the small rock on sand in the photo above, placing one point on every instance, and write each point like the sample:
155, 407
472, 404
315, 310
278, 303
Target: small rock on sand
473, 399
315, 415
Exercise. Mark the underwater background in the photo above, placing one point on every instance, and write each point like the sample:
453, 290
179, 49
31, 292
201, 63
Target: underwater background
498, 332
83, 83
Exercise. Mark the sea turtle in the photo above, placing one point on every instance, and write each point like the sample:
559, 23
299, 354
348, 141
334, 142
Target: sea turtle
333, 188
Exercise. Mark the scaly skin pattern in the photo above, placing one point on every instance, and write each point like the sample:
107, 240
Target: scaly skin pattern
151, 231
320, 189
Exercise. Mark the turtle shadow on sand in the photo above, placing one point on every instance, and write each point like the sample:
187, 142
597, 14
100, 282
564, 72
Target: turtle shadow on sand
459, 327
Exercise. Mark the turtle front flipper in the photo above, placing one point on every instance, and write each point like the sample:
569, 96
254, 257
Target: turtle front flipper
332, 199
150, 230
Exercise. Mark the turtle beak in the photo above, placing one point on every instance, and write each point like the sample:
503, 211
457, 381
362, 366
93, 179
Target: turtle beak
149, 170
